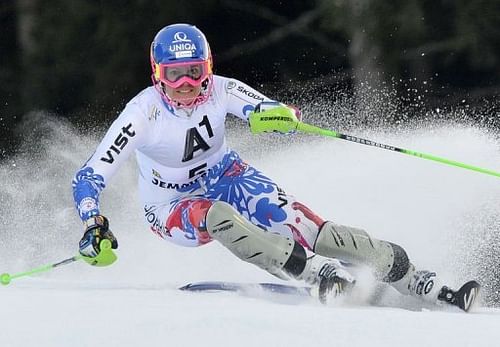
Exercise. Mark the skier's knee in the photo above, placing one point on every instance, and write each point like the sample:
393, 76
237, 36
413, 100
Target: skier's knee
296, 264
350, 244
388, 260
188, 218
272, 252
400, 266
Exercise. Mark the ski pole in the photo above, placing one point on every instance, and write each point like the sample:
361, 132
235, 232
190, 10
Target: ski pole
280, 119
311, 129
6, 278
105, 257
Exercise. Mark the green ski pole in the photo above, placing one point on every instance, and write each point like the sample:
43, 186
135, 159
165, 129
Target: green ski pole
282, 120
104, 258
307, 128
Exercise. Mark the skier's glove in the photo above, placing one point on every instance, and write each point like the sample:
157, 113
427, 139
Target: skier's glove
96, 230
272, 116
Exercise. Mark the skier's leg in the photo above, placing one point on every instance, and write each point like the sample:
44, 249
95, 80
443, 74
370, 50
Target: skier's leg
390, 263
263, 203
275, 253
269, 251
196, 220
267, 229
388, 260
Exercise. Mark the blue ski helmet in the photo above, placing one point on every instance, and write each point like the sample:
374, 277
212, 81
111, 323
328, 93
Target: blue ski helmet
180, 54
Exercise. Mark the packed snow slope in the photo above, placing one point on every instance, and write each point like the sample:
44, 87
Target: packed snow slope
445, 217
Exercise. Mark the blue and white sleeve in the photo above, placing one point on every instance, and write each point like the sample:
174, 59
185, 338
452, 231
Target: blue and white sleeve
87, 185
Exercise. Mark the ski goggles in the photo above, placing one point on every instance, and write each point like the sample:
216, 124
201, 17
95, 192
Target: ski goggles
175, 75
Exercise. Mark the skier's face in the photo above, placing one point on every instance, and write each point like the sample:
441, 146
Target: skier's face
184, 94
184, 84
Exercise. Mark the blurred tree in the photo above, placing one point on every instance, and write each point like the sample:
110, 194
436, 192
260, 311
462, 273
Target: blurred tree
448, 43
10, 68
95, 54
88, 57
275, 43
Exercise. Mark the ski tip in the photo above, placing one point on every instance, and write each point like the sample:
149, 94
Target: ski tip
212, 286
467, 297
186, 287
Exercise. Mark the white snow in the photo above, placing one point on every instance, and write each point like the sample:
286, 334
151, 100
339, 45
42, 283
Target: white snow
416, 203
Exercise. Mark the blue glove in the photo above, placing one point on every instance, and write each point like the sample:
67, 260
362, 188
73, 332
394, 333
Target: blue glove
96, 230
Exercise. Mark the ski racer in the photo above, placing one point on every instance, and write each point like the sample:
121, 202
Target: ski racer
194, 189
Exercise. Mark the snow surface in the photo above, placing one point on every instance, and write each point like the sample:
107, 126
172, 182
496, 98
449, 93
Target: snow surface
424, 206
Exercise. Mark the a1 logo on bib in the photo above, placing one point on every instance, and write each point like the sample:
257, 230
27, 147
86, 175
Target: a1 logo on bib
194, 140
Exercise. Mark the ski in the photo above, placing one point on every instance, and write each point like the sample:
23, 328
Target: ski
247, 288
464, 298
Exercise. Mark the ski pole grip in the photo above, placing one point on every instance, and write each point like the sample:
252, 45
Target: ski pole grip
105, 245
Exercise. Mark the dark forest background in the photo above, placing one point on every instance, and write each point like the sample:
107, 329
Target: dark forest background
84, 59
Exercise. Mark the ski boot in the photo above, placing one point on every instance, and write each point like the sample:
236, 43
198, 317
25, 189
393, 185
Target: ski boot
333, 282
463, 298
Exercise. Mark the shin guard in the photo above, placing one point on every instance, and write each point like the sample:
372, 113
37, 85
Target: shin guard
277, 254
389, 261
